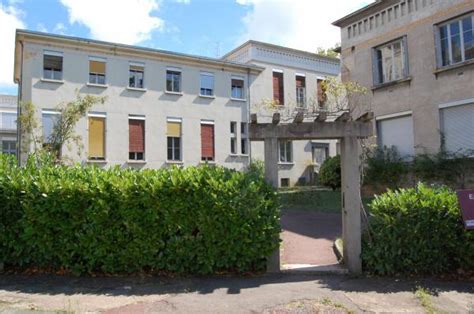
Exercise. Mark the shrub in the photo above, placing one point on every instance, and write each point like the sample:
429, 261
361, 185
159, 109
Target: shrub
417, 230
85, 219
385, 167
330, 173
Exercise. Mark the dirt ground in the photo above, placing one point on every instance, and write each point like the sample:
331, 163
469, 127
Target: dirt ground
308, 237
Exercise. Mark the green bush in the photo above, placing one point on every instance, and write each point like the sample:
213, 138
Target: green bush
418, 230
330, 173
386, 167
85, 219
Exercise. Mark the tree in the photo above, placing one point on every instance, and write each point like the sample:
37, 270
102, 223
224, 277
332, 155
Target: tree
63, 130
329, 52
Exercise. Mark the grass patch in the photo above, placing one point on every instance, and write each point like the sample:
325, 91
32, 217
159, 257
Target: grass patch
424, 296
314, 200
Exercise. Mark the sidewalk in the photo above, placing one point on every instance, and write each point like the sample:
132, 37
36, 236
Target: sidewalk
262, 294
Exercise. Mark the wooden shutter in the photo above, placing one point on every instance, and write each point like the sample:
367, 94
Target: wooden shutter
300, 81
207, 141
136, 129
96, 137
278, 87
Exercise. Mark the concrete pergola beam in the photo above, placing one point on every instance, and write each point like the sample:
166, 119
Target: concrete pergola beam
310, 130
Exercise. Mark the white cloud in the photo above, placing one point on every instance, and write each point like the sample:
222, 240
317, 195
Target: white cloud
300, 24
183, 1
59, 28
10, 20
124, 21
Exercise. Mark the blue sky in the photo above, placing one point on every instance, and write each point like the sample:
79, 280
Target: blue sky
203, 27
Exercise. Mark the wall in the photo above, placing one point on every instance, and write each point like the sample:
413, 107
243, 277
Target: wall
154, 104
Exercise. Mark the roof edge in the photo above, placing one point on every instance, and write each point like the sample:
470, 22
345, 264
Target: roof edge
343, 20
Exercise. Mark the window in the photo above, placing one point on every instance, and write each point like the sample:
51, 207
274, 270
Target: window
207, 84
136, 75
97, 70
9, 147
173, 81
96, 137
49, 120
244, 138
237, 88
390, 62
286, 151
456, 41
53, 65
174, 139
8, 120
300, 90
233, 138
284, 182
207, 141
278, 91
136, 138
457, 125
321, 92
397, 133
320, 153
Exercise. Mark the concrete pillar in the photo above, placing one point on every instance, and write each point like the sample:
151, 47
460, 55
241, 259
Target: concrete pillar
271, 175
351, 204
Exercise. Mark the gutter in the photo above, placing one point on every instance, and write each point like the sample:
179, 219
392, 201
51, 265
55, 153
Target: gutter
19, 100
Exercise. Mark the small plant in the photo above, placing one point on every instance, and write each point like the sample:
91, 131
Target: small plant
424, 296
330, 173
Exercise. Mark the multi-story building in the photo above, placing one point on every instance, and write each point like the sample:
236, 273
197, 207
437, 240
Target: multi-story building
8, 131
290, 82
161, 107
416, 57
167, 108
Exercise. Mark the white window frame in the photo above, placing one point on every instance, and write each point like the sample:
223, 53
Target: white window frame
233, 138
2, 112
173, 144
439, 52
208, 74
237, 78
54, 54
244, 138
96, 75
282, 144
138, 64
378, 78
301, 92
9, 150
176, 70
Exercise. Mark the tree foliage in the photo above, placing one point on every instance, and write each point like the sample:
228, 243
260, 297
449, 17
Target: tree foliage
330, 173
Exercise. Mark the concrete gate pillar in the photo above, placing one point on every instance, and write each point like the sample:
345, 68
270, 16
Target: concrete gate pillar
271, 176
351, 204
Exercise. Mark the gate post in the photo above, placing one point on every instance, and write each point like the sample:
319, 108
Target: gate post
351, 204
271, 176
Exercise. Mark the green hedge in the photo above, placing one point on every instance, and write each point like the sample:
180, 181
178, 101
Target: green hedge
418, 230
85, 219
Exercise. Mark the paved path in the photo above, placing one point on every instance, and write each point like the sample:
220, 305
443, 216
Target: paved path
21, 294
308, 237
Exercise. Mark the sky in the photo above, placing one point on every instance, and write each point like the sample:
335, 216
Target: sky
200, 27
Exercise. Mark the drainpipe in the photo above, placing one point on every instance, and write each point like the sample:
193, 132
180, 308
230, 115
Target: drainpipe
19, 99
248, 116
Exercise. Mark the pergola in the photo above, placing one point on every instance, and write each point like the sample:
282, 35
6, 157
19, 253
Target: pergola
349, 132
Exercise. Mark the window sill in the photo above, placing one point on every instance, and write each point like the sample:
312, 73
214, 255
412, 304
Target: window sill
207, 96
233, 155
136, 89
174, 93
245, 155
239, 99
286, 163
392, 83
210, 162
175, 162
97, 85
453, 67
52, 81
131, 161
96, 161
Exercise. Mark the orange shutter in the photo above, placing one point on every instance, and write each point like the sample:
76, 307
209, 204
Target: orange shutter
136, 135
278, 87
207, 141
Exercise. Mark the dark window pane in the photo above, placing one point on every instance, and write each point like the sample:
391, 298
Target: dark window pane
443, 32
444, 51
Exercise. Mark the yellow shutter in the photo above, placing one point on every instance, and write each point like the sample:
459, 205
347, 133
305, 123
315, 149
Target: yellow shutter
174, 129
137, 68
97, 67
96, 137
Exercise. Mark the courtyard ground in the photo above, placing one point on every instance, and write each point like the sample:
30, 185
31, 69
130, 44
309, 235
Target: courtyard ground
279, 293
